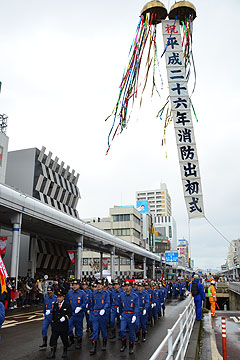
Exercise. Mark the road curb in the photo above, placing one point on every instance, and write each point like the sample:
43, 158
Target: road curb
194, 343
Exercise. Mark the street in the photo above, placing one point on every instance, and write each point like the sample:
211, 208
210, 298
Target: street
21, 337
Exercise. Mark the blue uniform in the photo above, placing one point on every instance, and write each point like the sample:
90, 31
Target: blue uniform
100, 301
48, 305
129, 307
198, 299
162, 294
88, 293
115, 305
76, 299
152, 301
2, 314
143, 299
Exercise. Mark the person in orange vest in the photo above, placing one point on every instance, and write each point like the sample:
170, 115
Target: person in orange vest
212, 298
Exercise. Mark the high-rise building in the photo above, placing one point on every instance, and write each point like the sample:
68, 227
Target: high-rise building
159, 200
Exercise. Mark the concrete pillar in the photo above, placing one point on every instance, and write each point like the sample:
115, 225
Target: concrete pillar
112, 263
132, 265
119, 265
144, 268
33, 254
100, 265
153, 270
79, 256
16, 231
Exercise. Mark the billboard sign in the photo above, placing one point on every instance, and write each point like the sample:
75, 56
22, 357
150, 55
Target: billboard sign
142, 206
171, 256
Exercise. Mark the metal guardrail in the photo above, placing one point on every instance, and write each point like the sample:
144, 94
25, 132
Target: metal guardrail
174, 345
234, 286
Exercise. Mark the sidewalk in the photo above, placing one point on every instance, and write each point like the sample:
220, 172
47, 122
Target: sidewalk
25, 309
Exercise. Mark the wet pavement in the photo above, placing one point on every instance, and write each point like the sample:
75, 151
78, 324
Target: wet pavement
233, 333
21, 337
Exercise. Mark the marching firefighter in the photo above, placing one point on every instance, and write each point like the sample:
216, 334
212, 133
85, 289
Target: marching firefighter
129, 307
116, 293
48, 304
142, 318
100, 304
62, 311
77, 299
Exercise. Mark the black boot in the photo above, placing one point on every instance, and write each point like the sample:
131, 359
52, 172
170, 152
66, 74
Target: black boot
94, 348
113, 334
131, 343
143, 336
44, 344
71, 340
64, 354
52, 355
163, 312
79, 343
124, 345
137, 337
104, 345
159, 314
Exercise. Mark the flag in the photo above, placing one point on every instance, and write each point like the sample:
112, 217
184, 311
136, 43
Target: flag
3, 245
3, 276
71, 255
105, 263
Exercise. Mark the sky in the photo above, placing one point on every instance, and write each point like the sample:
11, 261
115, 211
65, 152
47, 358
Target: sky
61, 65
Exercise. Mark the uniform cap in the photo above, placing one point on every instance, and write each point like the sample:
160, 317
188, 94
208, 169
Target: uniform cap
116, 282
127, 283
61, 292
100, 282
76, 282
49, 289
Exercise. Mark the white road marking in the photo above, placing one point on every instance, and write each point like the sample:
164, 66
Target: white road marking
235, 319
19, 323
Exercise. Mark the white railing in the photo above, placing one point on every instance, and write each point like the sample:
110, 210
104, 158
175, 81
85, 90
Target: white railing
234, 286
174, 345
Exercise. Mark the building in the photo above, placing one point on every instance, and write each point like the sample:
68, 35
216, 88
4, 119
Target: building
233, 259
125, 222
36, 174
159, 200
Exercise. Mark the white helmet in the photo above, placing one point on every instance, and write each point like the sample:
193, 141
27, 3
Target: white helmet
213, 282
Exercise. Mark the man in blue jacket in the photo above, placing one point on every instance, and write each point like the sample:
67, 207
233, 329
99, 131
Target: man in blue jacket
99, 305
48, 304
197, 292
77, 299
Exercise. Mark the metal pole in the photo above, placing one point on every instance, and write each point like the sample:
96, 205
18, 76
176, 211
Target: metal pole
100, 265
181, 337
144, 268
33, 242
170, 345
112, 263
119, 265
153, 270
132, 265
16, 222
224, 339
79, 257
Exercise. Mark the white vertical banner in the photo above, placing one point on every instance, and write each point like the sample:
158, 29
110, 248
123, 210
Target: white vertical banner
182, 119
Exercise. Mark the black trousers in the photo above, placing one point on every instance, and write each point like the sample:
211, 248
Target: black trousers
55, 335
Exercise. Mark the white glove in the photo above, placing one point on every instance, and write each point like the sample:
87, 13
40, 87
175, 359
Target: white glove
86, 306
144, 312
88, 312
102, 312
77, 310
120, 317
162, 304
118, 310
62, 319
48, 312
133, 319
152, 306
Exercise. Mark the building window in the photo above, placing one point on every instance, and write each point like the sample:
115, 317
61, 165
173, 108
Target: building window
121, 232
136, 233
122, 217
136, 219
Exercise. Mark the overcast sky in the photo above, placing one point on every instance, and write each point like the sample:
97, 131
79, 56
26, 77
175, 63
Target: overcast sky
61, 65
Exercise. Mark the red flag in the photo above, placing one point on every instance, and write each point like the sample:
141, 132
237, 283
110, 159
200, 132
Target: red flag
71, 255
3, 276
105, 263
3, 245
